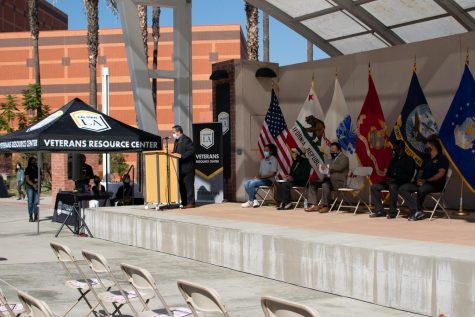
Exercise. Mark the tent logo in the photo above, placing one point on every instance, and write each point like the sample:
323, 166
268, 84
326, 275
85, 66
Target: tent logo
88, 120
206, 138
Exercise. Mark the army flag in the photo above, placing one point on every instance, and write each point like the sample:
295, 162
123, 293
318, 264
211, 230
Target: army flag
372, 141
339, 127
415, 124
309, 131
458, 129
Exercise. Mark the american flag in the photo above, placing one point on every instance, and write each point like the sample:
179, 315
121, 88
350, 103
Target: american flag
275, 131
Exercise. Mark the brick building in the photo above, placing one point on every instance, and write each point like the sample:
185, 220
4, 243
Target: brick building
65, 72
14, 16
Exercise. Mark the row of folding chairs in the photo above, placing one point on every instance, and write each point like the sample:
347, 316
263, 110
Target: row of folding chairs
107, 291
343, 196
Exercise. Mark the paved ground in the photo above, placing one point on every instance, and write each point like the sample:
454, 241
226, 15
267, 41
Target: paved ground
31, 266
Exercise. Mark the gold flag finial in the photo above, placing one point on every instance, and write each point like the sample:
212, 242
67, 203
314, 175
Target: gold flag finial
467, 58
336, 72
414, 66
369, 68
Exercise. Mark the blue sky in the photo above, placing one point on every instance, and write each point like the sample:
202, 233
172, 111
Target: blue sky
286, 46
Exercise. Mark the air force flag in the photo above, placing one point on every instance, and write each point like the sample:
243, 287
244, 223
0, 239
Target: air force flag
458, 129
415, 124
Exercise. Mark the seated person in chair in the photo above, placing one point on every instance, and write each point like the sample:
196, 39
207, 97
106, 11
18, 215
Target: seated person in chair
400, 171
298, 176
98, 189
430, 179
338, 168
124, 195
267, 172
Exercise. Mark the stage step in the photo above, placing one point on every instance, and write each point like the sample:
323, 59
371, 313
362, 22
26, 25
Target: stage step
420, 277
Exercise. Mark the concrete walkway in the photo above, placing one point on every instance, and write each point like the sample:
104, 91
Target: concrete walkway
31, 266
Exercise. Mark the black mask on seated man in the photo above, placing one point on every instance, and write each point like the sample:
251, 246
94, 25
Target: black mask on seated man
334, 155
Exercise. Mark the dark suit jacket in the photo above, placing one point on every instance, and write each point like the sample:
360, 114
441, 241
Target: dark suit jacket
185, 147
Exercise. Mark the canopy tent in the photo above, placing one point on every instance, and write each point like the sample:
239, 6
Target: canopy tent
77, 127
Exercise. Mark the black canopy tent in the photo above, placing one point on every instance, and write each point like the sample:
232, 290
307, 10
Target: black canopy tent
77, 127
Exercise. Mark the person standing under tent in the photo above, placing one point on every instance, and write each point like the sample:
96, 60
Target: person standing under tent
20, 180
186, 164
31, 179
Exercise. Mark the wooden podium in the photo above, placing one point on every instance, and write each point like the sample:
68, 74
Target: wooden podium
156, 180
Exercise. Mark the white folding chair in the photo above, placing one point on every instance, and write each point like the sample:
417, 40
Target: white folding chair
264, 192
35, 307
82, 284
9, 309
201, 299
276, 307
116, 296
437, 198
141, 280
361, 172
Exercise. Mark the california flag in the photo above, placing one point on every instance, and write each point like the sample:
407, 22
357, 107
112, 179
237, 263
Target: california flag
309, 130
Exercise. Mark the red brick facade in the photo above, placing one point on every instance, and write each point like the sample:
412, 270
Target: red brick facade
14, 16
65, 73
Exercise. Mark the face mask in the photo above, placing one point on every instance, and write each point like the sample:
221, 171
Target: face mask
266, 154
427, 150
334, 155
175, 136
18, 166
126, 181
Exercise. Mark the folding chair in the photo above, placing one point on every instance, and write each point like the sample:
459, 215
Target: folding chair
83, 285
267, 191
9, 309
201, 299
141, 280
438, 197
360, 171
117, 298
35, 307
276, 307
398, 208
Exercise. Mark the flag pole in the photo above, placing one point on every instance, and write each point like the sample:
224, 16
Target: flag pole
461, 212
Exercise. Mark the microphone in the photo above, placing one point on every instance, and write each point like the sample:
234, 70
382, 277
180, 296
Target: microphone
167, 138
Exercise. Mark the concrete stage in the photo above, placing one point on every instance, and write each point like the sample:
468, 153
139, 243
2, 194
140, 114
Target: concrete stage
422, 267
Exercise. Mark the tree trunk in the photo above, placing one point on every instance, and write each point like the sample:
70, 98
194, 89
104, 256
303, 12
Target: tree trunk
143, 27
92, 11
252, 26
309, 51
155, 36
35, 31
265, 35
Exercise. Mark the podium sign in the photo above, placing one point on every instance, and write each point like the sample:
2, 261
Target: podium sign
208, 138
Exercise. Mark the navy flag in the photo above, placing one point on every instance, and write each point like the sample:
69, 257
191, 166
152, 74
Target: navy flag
458, 129
415, 124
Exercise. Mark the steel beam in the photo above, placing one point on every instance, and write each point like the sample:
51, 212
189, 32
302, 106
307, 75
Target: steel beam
138, 69
296, 26
374, 24
458, 13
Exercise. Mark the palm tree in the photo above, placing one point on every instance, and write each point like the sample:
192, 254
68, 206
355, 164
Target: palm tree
143, 27
252, 26
35, 31
265, 35
92, 10
155, 36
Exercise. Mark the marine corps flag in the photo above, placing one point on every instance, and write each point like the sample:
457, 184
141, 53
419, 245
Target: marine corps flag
309, 131
372, 141
415, 124
458, 129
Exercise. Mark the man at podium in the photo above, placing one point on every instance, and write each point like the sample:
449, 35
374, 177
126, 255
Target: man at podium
184, 146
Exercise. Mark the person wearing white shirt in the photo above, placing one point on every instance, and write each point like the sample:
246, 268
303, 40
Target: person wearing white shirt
267, 171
